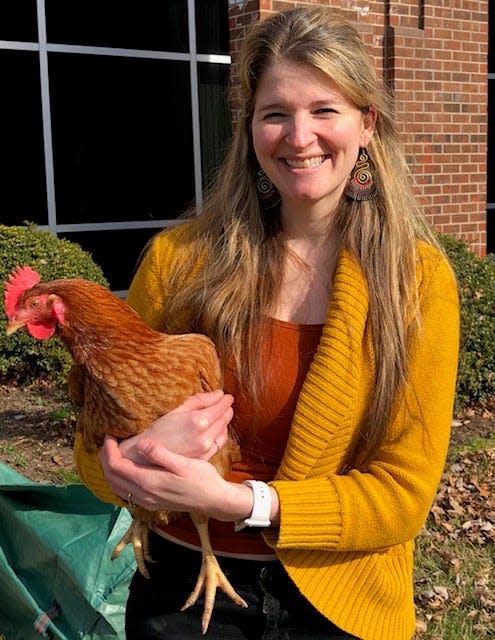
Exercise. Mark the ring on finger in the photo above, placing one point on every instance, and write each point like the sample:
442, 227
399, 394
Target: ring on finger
130, 501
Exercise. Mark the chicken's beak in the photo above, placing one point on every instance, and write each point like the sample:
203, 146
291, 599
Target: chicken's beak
12, 326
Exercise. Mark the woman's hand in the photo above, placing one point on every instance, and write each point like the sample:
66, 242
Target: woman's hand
166, 468
171, 482
167, 481
196, 429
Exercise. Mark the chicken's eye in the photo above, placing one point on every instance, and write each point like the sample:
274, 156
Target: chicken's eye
34, 303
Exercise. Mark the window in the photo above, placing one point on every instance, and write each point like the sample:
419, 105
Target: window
114, 115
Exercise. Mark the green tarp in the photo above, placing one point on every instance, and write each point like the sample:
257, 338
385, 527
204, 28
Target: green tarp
55, 548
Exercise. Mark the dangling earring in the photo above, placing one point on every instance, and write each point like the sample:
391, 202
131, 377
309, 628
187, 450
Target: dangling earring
361, 185
268, 195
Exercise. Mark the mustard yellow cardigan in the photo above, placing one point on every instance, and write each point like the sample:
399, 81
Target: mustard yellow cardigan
347, 541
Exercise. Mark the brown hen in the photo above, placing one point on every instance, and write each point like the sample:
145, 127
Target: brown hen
125, 376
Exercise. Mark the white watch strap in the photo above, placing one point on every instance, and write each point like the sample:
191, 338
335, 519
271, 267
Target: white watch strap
262, 506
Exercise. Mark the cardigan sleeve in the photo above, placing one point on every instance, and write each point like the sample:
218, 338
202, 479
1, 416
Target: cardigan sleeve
388, 504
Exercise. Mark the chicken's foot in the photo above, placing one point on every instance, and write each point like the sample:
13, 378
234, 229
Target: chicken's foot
137, 535
211, 577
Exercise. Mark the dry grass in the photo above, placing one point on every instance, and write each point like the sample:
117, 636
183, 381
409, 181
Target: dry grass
455, 554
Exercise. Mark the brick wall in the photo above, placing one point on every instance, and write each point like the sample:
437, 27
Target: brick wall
434, 55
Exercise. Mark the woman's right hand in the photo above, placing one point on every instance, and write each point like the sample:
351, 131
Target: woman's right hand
197, 428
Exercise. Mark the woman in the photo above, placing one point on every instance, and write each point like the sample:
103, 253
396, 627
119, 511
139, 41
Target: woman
336, 317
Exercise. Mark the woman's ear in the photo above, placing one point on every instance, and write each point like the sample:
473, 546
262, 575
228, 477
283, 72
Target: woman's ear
368, 127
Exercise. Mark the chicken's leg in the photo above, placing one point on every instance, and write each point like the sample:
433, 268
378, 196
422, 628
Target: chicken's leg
210, 577
137, 535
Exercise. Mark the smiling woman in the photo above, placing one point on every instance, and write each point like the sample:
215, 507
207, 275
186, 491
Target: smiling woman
336, 318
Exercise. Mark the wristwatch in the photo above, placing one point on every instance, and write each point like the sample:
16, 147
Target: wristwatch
262, 506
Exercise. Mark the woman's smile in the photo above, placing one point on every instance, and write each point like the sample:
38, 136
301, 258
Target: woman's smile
305, 163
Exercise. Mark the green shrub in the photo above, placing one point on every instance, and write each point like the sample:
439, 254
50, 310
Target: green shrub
476, 277
24, 359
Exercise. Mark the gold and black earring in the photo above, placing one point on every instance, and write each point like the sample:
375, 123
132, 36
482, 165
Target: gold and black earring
268, 195
361, 185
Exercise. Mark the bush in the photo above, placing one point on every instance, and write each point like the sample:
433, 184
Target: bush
476, 277
24, 359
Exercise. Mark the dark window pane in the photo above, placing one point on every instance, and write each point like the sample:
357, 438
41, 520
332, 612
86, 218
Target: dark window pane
118, 265
212, 26
122, 138
125, 24
22, 168
215, 116
18, 20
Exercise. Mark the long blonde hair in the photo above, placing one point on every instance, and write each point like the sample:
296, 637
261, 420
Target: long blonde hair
239, 242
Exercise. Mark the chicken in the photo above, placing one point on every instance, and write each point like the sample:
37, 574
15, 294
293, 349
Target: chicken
125, 375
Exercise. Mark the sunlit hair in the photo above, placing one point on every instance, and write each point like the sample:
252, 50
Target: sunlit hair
239, 244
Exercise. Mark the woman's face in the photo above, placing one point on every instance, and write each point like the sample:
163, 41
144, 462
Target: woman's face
306, 134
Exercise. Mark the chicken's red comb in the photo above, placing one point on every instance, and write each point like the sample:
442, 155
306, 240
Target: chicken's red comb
21, 279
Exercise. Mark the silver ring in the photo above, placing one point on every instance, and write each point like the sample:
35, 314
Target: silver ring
217, 445
130, 501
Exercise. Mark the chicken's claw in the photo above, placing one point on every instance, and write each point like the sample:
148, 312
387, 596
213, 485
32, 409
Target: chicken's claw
211, 577
137, 535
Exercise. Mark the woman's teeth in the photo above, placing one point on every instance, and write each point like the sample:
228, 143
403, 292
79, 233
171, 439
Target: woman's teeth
305, 164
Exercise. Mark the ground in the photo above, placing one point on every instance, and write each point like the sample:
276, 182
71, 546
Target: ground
37, 432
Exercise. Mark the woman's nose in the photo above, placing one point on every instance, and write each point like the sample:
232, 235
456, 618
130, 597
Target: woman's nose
300, 133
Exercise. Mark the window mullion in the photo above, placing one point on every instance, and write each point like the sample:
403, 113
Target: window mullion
196, 129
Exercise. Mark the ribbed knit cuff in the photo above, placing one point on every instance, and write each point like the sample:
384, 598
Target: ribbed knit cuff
310, 514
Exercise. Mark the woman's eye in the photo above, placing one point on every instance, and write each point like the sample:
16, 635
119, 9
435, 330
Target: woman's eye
325, 110
273, 115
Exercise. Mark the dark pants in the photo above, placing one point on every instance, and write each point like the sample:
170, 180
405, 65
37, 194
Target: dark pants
276, 610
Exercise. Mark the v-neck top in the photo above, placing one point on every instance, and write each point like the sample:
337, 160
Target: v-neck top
262, 429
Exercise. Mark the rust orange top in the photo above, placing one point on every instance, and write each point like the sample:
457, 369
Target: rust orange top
287, 352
